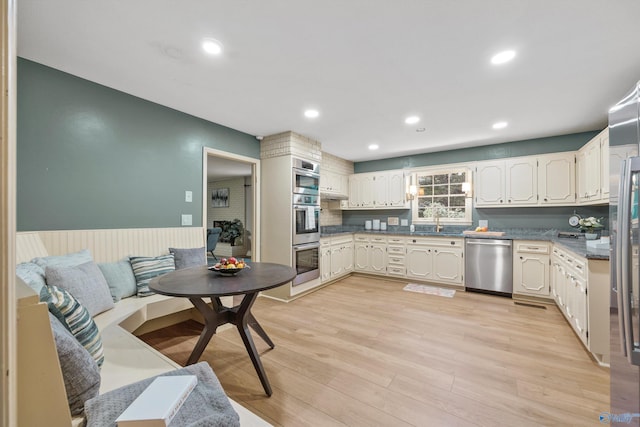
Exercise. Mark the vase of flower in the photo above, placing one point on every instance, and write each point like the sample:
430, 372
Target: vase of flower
590, 227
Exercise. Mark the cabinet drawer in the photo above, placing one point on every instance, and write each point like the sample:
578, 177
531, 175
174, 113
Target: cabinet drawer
395, 250
393, 270
361, 238
395, 259
378, 240
396, 240
532, 247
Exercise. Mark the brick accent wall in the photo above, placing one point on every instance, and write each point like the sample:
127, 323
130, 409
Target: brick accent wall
290, 144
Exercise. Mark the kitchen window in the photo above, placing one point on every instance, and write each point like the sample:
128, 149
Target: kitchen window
442, 193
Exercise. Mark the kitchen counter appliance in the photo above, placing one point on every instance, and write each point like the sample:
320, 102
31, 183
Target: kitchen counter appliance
489, 265
306, 220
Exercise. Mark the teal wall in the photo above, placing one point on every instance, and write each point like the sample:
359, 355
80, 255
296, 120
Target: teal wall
499, 218
90, 157
529, 147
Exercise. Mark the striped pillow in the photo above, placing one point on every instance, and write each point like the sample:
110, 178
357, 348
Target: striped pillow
75, 318
146, 268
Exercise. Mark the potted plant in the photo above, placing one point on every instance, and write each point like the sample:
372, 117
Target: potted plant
590, 226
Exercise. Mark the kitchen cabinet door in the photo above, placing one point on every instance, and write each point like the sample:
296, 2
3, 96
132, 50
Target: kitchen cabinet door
490, 184
531, 274
448, 265
361, 191
336, 261
347, 258
325, 264
589, 171
378, 258
521, 177
419, 261
557, 179
604, 165
380, 189
580, 309
396, 193
361, 256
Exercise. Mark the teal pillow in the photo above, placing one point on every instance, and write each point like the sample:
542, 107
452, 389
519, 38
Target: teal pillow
75, 318
120, 278
31, 274
146, 268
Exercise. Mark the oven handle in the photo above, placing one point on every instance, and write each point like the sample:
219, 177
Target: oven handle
304, 207
306, 246
306, 173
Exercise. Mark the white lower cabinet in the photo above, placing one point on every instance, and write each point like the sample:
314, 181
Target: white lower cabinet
370, 254
437, 260
336, 257
531, 268
580, 288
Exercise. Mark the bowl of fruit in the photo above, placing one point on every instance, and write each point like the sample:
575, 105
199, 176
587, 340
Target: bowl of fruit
230, 266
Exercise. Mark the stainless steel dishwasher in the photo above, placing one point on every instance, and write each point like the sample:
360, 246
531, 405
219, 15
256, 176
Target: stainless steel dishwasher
489, 265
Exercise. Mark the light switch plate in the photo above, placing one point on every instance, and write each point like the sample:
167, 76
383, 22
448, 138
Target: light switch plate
188, 196
187, 219
392, 220
404, 222
483, 223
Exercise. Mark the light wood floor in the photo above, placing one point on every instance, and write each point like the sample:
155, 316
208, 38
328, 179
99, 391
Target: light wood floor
363, 352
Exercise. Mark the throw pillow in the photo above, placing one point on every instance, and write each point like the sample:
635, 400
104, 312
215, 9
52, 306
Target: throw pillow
120, 278
31, 274
75, 318
80, 372
146, 268
68, 260
186, 258
86, 283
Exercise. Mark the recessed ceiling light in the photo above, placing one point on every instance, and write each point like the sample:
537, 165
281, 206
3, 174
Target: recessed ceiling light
412, 120
212, 46
502, 57
373, 146
500, 125
311, 114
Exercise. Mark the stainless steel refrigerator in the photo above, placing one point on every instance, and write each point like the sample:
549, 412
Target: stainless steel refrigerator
624, 226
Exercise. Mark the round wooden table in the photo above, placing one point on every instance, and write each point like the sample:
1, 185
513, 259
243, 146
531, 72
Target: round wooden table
197, 283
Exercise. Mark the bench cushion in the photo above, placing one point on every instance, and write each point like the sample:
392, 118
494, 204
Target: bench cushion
207, 405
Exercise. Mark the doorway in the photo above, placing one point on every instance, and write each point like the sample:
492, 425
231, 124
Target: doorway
231, 200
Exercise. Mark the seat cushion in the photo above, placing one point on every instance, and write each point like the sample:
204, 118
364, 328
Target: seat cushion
146, 268
192, 257
207, 405
86, 283
75, 318
80, 371
120, 278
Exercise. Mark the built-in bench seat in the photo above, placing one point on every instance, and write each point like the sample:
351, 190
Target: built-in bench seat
127, 359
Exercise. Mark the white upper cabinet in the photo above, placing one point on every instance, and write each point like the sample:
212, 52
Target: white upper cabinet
490, 184
378, 190
556, 179
334, 184
522, 183
547, 179
593, 170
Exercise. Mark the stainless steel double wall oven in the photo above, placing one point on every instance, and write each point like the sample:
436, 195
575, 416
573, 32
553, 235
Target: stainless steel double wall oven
306, 220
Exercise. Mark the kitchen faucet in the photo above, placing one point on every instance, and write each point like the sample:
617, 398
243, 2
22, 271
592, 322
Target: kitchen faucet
438, 226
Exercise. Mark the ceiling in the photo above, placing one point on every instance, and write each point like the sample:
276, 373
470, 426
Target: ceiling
365, 65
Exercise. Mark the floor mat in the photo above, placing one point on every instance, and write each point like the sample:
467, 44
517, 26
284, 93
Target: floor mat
430, 290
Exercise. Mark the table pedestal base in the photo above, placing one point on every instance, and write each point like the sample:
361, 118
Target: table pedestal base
240, 316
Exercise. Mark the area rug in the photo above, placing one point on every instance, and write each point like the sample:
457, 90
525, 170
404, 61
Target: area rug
430, 290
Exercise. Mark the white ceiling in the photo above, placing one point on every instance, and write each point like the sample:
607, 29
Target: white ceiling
364, 64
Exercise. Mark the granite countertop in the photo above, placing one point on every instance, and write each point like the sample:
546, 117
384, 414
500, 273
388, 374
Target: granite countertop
575, 245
